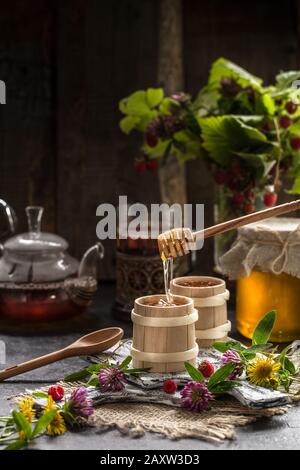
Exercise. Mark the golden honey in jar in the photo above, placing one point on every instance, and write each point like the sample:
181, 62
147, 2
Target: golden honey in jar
261, 292
265, 261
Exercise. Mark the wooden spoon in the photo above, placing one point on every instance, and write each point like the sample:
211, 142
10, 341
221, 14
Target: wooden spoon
92, 343
177, 242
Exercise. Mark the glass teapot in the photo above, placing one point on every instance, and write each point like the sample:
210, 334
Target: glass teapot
39, 279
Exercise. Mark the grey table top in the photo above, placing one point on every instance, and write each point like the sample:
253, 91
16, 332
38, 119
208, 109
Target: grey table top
282, 432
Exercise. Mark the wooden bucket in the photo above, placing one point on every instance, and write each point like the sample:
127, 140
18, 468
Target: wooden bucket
210, 299
164, 337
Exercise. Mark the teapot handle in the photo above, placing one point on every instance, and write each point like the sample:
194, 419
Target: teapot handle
11, 219
89, 262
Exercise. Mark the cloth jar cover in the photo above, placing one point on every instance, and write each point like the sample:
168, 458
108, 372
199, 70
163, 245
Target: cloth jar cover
272, 245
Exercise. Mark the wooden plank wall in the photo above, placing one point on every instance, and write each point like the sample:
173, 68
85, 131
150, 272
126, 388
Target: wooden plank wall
66, 65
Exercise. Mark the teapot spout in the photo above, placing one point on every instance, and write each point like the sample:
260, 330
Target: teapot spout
90, 259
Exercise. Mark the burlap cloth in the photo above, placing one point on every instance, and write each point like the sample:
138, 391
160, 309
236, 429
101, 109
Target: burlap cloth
135, 419
272, 245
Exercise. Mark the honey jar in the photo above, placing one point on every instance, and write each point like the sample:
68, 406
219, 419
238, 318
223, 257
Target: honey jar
265, 261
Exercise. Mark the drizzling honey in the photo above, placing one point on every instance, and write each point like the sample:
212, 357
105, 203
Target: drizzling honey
168, 276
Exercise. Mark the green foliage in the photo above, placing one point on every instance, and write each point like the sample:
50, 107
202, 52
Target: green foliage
220, 375
223, 68
194, 373
264, 328
229, 120
227, 136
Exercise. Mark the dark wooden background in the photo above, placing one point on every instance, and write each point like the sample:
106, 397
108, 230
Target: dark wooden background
66, 64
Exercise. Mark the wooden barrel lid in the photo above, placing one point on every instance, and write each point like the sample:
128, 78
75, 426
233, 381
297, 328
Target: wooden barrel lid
147, 306
189, 286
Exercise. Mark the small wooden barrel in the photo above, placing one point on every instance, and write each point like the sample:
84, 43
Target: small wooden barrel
210, 299
164, 337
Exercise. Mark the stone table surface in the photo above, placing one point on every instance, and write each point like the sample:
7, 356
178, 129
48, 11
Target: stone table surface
26, 342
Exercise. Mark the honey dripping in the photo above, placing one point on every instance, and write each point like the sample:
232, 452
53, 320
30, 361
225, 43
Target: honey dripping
168, 276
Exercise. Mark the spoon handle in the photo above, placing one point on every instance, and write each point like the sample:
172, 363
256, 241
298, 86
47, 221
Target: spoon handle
247, 219
33, 364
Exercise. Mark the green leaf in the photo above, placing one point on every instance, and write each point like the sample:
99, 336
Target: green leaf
43, 422
77, 376
194, 373
265, 105
84, 373
128, 123
123, 105
224, 346
166, 106
93, 381
224, 386
17, 445
154, 96
221, 374
22, 424
294, 129
137, 104
125, 363
225, 135
222, 68
288, 365
296, 186
159, 150
192, 123
259, 347
264, 328
285, 362
40, 395
284, 80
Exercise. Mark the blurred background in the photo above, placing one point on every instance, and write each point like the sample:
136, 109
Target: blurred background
67, 64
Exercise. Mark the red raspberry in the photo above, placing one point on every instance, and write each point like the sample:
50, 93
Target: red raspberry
249, 208
206, 368
170, 386
267, 126
56, 392
291, 107
152, 165
295, 143
250, 195
238, 199
151, 139
285, 122
140, 166
270, 199
236, 168
220, 176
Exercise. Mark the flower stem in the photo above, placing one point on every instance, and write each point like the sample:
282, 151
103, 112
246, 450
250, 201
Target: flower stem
279, 155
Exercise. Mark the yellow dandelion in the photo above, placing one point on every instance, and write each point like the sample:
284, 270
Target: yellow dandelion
57, 426
51, 405
262, 371
26, 407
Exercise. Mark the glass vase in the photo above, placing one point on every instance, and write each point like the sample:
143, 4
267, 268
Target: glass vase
224, 210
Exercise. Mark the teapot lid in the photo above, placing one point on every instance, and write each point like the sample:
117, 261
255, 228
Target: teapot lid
35, 242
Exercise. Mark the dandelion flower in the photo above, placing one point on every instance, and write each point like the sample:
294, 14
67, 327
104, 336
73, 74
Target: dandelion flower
50, 404
57, 425
262, 371
26, 407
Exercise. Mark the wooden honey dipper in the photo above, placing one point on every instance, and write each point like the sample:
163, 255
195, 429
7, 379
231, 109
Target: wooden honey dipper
180, 241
